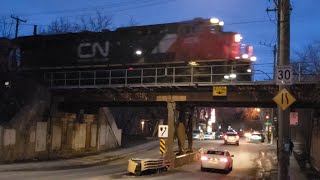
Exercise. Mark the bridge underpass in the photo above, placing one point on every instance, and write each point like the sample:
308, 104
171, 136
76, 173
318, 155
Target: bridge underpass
175, 88
183, 99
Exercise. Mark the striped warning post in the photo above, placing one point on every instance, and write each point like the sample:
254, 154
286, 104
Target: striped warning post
162, 146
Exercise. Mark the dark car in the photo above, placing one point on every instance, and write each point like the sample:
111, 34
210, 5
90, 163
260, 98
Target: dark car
219, 135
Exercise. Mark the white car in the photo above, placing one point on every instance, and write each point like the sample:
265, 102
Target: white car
217, 159
209, 136
256, 137
231, 138
197, 134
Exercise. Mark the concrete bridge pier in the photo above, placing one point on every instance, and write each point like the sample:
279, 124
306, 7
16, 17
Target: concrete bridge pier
171, 106
185, 121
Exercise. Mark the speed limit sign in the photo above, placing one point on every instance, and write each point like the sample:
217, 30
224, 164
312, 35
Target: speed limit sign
284, 75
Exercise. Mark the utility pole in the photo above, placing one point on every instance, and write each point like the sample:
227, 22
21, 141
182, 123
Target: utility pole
284, 54
17, 24
274, 55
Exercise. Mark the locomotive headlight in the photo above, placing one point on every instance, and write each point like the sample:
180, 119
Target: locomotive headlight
221, 23
249, 70
237, 38
245, 56
214, 21
253, 58
138, 52
193, 63
233, 75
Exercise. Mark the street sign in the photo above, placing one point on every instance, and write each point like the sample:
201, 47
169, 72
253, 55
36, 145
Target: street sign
219, 90
268, 123
284, 99
162, 146
284, 75
163, 131
294, 118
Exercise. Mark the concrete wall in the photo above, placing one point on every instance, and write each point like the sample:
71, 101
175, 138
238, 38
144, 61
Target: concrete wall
60, 136
315, 144
107, 117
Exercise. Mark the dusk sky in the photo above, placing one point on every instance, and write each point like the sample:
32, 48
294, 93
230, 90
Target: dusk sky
247, 17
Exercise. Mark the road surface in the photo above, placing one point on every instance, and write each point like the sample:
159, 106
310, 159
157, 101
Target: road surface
250, 162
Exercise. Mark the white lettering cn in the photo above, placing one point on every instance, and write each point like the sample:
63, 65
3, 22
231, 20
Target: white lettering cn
93, 47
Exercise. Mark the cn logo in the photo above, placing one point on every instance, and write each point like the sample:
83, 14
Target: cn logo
90, 50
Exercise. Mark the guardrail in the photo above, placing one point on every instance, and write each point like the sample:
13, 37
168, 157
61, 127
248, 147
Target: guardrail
177, 76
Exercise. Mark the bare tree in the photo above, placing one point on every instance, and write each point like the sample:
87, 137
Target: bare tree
62, 25
133, 22
96, 23
6, 27
310, 61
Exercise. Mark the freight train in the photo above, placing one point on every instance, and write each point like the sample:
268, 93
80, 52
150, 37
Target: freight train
195, 42
201, 40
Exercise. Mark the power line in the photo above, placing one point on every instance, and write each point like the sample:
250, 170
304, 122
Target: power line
233, 23
114, 6
248, 22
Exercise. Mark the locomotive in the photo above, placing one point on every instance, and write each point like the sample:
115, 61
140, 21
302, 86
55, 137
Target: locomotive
200, 40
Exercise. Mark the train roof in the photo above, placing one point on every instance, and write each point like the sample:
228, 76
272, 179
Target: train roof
152, 28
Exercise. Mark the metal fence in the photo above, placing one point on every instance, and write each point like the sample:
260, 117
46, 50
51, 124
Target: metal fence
176, 76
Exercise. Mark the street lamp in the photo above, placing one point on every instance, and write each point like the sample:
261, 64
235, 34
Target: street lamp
142, 125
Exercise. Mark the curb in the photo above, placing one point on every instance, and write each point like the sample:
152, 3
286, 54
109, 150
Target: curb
76, 166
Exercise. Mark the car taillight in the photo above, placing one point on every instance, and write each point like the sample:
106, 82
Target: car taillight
237, 137
224, 160
204, 158
225, 136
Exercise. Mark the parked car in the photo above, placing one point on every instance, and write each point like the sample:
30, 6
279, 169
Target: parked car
217, 159
231, 138
197, 134
209, 135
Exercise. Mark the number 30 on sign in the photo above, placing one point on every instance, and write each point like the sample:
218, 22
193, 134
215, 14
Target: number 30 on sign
284, 75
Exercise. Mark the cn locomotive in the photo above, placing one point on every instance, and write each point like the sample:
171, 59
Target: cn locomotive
200, 40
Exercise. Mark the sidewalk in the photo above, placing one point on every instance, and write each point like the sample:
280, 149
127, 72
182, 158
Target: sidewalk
295, 172
79, 162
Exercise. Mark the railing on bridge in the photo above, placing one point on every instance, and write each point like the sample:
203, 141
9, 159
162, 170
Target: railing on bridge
175, 76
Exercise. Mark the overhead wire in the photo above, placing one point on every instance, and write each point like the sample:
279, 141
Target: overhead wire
94, 8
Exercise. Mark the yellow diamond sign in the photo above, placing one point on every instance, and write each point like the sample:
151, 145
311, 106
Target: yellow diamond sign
284, 99
219, 90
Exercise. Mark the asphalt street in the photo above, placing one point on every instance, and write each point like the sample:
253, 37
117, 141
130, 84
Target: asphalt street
249, 163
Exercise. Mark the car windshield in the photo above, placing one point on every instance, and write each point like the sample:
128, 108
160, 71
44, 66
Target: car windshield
215, 152
231, 134
196, 131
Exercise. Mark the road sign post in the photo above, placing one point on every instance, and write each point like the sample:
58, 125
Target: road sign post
162, 146
284, 59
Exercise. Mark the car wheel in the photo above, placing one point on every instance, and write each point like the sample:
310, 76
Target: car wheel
237, 143
225, 142
203, 169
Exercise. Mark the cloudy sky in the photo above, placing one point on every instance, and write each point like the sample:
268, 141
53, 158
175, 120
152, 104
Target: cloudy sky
248, 17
